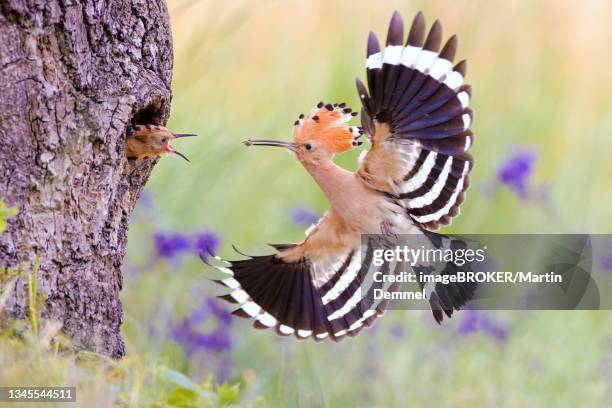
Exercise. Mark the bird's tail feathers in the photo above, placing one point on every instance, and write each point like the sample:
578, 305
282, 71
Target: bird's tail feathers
444, 298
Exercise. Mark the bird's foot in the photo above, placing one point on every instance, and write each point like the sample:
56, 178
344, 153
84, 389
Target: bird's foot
386, 229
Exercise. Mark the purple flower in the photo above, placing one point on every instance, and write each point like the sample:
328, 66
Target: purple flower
188, 335
476, 321
207, 243
398, 331
515, 171
469, 322
495, 330
606, 260
170, 245
223, 316
304, 217
193, 340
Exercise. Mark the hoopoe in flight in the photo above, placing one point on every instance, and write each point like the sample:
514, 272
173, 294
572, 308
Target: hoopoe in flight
151, 141
412, 180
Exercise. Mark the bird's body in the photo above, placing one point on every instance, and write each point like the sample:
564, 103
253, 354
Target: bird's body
363, 209
412, 180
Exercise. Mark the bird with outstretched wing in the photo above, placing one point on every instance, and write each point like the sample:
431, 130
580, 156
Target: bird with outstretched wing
412, 180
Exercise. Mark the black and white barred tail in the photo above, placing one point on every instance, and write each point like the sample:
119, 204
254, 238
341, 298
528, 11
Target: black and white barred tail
446, 298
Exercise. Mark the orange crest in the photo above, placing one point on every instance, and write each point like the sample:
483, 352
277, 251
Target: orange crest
327, 124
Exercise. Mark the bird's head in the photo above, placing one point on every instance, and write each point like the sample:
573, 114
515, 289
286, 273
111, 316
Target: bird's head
319, 135
152, 141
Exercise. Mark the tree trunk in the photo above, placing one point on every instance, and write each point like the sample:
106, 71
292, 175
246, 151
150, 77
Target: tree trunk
73, 75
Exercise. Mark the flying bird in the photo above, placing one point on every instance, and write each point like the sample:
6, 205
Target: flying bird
151, 141
412, 180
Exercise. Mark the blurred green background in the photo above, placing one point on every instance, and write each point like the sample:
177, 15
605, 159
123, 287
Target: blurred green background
541, 78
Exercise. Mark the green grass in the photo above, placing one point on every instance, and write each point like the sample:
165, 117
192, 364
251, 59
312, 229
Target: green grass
36, 353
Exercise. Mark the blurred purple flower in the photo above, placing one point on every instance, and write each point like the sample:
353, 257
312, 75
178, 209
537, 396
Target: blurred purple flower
219, 339
193, 341
606, 260
304, 217
474, 321
515, 171
398, 331
207, 243
495, 329
170, 245
469, 322
223, 316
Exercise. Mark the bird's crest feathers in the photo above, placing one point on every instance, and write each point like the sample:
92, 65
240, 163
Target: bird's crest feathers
328, 124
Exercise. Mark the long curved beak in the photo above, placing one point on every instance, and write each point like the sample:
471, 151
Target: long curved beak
168, 147
181, 154
173, 150
276, 143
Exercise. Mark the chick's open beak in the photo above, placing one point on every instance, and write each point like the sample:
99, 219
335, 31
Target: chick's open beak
181, 154
171, 149
277, 143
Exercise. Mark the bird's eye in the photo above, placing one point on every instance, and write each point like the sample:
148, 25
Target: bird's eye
308, 146
163, 140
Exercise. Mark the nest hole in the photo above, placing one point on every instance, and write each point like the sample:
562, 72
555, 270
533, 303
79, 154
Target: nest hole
152, 114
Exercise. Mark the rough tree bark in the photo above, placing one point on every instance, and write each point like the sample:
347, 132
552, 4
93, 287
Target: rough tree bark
73, 75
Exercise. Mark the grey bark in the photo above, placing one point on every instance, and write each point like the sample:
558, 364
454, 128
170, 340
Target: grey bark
73, 75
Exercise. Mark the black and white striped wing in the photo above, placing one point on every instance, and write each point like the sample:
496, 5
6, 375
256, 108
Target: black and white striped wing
417, 104
317, 298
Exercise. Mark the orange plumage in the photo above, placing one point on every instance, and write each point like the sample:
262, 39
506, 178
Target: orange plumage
328, 125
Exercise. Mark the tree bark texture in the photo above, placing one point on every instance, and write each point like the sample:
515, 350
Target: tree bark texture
73, 75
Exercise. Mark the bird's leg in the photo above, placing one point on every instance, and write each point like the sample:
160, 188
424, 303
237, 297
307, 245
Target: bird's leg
386, 239
386, 229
